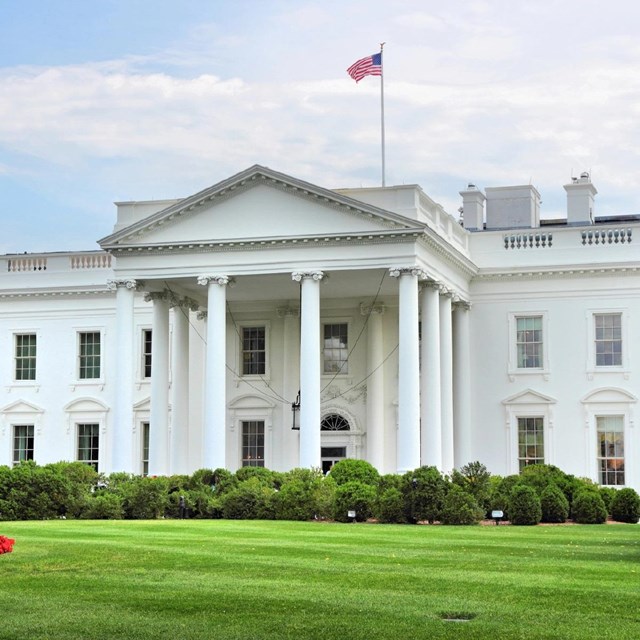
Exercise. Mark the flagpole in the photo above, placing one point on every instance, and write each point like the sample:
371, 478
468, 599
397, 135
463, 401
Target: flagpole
382, 110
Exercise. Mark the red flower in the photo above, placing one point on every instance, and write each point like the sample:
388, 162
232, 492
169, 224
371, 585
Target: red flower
6, 544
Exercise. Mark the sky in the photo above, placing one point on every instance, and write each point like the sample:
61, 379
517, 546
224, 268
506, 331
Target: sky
117, 100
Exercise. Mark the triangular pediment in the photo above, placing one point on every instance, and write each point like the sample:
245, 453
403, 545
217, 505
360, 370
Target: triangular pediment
259, 204
21, 406
529, 396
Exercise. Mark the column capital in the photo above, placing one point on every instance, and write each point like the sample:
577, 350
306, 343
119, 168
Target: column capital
183, 303
429, 283
459, 303
372, 309
127, 283
202, 315
298, 276
288, 312
155, 296
396, 272
220, 279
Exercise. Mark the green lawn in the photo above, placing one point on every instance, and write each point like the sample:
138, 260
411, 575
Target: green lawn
231, 579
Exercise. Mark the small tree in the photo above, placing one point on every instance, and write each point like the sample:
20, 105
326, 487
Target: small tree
588, 507
625, 506
354, 496
476, 481
555, 507
424, 491
460, 507
524, 506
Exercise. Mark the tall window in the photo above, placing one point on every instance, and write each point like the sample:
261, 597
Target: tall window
530, 441
89, 355
253, 443
529, 342
608, 338
22, 443
336, 348
610, 449
253, 351
26, 356
145, 448
88, 443
146, 353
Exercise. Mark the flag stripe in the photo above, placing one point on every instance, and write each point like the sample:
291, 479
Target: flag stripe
369, 66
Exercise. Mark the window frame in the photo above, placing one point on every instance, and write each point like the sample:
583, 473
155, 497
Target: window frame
146, 357
513, 367
239, 350
20, 358
29, 436
94, 379
600, 459
343, 371
246, 448
243, 340
594, 369
541, 429
145, 432
607, 341
95, 445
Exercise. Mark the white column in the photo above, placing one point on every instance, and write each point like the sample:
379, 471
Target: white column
122, 432
430, 392
446, 380
408, 448
309, 368
375, 386
290, 440
215, 395
461, 384
159, 419
180, 388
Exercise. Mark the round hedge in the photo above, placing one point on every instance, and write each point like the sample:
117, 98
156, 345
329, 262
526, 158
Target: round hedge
588, 508
524, 506
625, 506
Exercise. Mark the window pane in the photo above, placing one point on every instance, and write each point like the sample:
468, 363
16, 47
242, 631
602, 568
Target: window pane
335, 348
145, 448
88, 444
26, 356
253, 351
611, 449
529, 342
530, 441
608, 339
22, 443
146, 353
253, 443
89, 356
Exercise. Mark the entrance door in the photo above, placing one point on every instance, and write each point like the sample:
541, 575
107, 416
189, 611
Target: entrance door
331, 455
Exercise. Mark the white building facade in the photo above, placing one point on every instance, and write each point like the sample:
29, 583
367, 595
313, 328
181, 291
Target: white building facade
402, 336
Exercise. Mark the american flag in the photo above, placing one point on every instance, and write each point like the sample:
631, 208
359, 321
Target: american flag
369, 66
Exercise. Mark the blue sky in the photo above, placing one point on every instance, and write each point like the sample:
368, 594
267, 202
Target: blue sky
114, 100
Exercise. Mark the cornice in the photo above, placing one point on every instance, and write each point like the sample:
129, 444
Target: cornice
58, 293
556, 272
432, 241
253, 244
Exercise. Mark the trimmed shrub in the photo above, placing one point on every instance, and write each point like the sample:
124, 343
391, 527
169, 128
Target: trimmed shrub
555, 507
390, 506
389, 481
250, 500
500, 493
143, 498
262, 474
103, 506
354, 496
349, 470
625, 506
460, 508
588, 507
424, 492
524, 506
300, 494
475, 480
608, 494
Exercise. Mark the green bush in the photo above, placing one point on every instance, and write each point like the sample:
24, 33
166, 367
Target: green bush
250, 500
608, 494
475, 480
389, 481
555, 507
500, 493
349, 470
103, 506
588, 507
625, 506
299, 496
460, 508
390, 506
262, 474
143, 498
524, 506
354, 496
424, 491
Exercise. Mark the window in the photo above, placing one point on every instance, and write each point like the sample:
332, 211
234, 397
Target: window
89, 355
530, 441
26, 356
145, 448
22, 443
253, 351
336, 349
334, 422
529, 342
88, 444
610, 449
146, 353
253, 443
608, 339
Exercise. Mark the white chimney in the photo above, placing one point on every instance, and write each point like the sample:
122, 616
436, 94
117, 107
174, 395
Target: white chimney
580, 196
513, 207
473, 208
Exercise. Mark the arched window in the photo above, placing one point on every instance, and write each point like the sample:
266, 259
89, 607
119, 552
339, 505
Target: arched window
334, 422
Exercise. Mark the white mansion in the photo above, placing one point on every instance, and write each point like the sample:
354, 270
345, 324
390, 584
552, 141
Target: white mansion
409, 339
